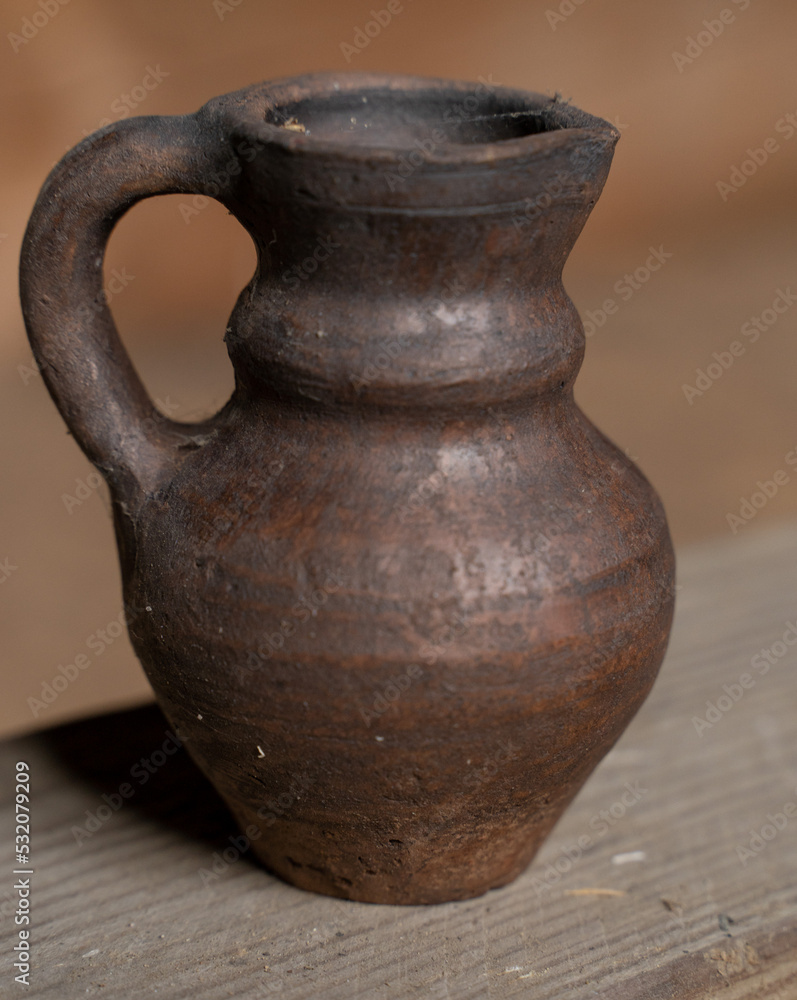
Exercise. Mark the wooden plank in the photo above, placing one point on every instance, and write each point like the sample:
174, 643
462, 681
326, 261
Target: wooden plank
658, 905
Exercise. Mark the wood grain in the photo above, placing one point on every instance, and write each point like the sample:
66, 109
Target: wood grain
126, 913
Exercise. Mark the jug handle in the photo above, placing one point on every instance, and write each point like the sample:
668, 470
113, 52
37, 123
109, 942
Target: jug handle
70, 327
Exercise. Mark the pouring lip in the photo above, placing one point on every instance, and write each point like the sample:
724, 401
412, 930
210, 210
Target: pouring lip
564, 124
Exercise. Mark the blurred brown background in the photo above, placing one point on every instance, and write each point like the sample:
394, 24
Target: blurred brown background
686, 123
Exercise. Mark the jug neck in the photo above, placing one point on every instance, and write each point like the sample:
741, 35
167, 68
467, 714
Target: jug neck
420, 259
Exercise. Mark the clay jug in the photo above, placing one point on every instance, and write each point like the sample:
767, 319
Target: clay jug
399, 596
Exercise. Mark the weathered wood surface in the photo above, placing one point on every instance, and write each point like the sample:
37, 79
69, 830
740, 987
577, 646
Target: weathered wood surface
125, 913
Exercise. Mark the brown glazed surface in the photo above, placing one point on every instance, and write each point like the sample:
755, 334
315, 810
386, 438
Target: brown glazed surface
399, 596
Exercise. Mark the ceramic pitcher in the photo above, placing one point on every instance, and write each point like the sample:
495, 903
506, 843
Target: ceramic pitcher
399, 596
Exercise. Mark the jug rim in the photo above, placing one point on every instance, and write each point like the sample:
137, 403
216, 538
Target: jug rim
544, 124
